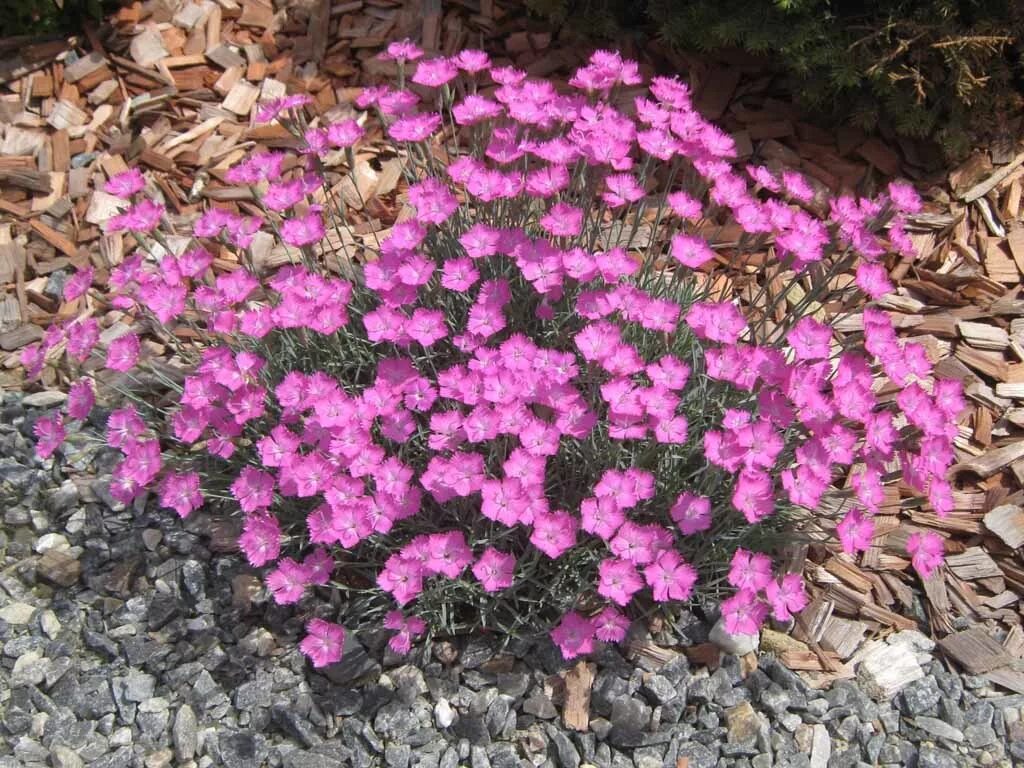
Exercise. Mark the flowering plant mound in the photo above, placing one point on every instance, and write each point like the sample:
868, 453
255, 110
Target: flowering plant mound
530, 404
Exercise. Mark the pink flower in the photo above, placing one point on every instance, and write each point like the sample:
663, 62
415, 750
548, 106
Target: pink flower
494, 570
927, 552
408, 628
144, 216
78, 284
435, 72
563, 220
574, 635
904, 197
323, 643
873, 279
401, 50
303, 230
610, 625
414, 128
125, 184
81, 399
180, 492
50, 433
123, 353
691, 513
750, 571
433, 201
260, 539
743, 613
810, 339
691, 251
253, 489
287, 583
345, 134
716, 321
553, 533
855, 531
618, 580
670, 577
786, 596
402, 577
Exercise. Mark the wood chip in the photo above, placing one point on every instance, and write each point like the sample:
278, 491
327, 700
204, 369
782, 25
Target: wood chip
975, 650
1007, 522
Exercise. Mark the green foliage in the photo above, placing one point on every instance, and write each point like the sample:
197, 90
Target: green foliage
42, 17
928, 68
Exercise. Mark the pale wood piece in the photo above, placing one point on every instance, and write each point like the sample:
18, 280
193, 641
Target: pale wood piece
975, 650
578, 683
147, 48
885, 669
241, 98
1007, 522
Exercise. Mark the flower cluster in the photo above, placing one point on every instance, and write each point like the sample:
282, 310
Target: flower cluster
519, 387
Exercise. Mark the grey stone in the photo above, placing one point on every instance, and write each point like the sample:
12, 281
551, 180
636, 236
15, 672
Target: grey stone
939, 728
501, 756
568, 755
397, 755
540, 706
238, 749
629, 719
138, 686
444, 714
933, 757
122, 758
919, 697
697, 755
659, 689
821, 746
255, 693
514, 684
979, 735
184, 733
64, 757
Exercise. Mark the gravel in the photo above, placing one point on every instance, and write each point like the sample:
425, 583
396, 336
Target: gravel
129, 640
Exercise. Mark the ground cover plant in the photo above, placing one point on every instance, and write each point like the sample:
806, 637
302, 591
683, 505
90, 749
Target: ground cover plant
532, 404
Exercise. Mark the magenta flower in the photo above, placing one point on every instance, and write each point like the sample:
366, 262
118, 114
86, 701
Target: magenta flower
253, 489
50, 433
494, 570
78, 284
125, 184
407, 628
401, 50
743, 613
434, 73
670, 577
563, 220
287, 583
691, 251
610, 625
691, 513
574, 635
180, 492
303, 230
81, 399
786, 596
618, 580
144, 216
553, 533
323, 643
855, 531
123, 353
927, 552
750, 571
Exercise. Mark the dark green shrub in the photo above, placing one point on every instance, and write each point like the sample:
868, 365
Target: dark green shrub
41, 17
930, 68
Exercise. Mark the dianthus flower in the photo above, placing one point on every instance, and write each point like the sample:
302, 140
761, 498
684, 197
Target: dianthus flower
574, 635
786, 596
926, 549
494, 570
323, 643
749, 570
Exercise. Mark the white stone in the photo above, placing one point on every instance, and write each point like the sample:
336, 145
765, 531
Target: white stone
50, 541
50, 624
885, 669
444, 715
821, 746
17, 613
737, 645
917, 641
45, 399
